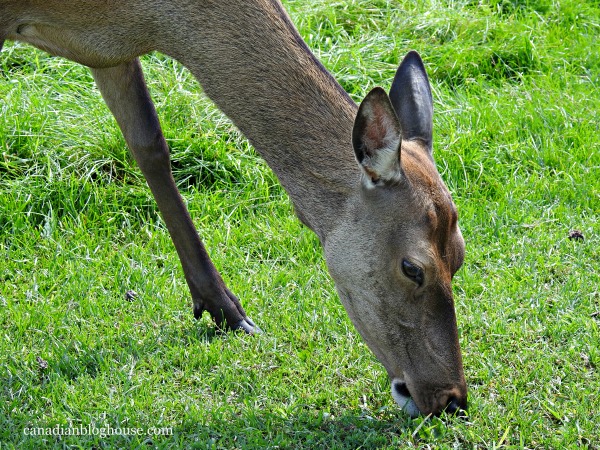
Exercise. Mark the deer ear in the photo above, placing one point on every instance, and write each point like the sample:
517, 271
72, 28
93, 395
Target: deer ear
411, 98
376, 138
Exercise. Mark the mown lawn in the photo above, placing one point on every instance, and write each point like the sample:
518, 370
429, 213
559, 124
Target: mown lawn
516, 94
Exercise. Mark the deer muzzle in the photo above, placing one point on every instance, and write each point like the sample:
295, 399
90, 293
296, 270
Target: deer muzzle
452, 401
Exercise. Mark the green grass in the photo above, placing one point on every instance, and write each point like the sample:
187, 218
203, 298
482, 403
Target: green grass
515, 86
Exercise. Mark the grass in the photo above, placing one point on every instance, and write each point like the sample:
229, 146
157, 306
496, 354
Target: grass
515, 86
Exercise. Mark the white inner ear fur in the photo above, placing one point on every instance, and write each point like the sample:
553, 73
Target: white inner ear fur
382, 139
385, 165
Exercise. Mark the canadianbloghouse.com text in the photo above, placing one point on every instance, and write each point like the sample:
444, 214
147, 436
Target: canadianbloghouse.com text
94, 430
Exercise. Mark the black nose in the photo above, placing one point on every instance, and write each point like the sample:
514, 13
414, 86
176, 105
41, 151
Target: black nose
455, 408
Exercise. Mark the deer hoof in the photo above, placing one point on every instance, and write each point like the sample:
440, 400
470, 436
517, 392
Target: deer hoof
198, 310
247, 326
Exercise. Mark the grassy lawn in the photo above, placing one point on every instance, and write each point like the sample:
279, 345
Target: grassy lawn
516, 94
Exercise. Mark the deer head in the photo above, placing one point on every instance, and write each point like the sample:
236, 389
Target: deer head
394, 252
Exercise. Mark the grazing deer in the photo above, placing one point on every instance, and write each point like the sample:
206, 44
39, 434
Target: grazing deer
380, 209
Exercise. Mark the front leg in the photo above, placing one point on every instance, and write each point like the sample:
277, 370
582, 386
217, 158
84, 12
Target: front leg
125, 92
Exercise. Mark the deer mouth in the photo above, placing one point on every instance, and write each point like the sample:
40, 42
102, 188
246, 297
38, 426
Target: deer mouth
402, 397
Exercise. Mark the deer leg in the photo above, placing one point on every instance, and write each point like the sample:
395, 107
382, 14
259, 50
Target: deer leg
124, 91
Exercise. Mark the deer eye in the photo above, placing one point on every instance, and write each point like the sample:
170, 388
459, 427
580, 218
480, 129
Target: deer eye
415, 273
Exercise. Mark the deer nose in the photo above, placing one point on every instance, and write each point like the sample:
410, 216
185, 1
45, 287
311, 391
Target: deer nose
457, 407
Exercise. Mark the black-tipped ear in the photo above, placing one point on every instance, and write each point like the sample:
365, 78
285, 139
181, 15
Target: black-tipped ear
376, 138
411, 97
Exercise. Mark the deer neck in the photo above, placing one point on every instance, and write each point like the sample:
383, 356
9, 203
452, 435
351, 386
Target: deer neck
260, 73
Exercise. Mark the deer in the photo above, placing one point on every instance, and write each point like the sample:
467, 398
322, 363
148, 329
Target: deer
361, 177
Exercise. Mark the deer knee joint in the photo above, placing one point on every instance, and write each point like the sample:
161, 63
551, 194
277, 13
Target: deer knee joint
150, 151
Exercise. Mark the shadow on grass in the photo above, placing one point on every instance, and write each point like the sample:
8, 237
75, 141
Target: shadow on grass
233, 425
306, 429
257, 430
